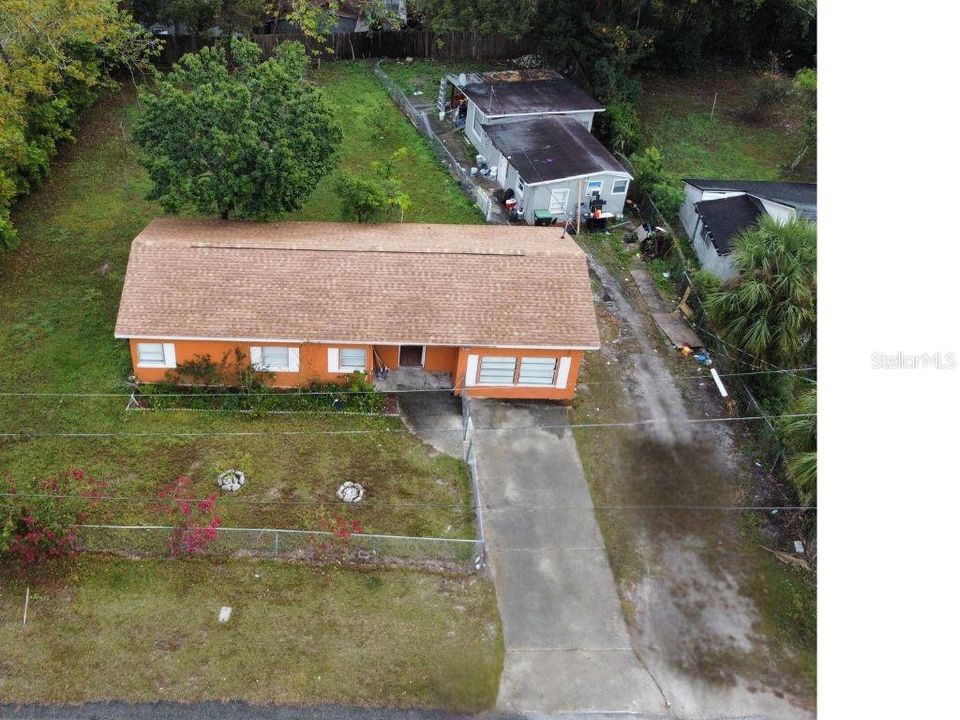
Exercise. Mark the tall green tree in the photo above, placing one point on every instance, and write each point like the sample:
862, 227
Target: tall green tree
55, 59
770, 310
199, 16
248, 139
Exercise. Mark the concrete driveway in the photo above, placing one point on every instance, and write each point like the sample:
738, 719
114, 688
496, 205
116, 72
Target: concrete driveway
567, 645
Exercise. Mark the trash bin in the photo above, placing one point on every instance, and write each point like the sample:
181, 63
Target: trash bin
542, 217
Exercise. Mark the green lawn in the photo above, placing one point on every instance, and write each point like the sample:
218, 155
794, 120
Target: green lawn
675, 116
425, 75
60, 291
145, 631
372, 129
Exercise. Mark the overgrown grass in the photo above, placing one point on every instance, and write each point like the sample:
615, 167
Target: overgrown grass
676, 118
373, 128
146, 631
424, 75
60, 292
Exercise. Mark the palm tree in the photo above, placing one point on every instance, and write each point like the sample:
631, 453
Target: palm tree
800, 440
769, 310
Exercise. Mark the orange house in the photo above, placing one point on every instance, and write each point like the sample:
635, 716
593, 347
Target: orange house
503, 311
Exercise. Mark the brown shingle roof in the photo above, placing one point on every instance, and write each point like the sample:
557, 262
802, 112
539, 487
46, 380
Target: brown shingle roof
345, 282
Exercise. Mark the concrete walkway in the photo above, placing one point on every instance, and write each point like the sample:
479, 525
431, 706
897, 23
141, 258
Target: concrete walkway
567, 646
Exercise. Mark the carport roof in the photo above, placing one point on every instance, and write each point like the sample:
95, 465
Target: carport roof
552, 148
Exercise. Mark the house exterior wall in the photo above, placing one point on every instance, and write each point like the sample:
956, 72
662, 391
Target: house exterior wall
710, 259
537, 197
468, 364
314, 365
688, 213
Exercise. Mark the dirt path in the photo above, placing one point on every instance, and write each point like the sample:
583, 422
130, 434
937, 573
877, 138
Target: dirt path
693, 607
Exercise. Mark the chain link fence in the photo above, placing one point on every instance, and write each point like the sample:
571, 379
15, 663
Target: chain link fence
462, 555
420, 118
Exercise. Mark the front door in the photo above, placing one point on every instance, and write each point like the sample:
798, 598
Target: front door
411, 355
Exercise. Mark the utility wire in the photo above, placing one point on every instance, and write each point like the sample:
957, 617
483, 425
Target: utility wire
440, 430
147, 396
368, 502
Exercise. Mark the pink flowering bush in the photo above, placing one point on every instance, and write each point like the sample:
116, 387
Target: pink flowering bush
194, 519
335, 545
38, 517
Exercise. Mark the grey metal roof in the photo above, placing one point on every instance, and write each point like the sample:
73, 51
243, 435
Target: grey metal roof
802, 196
523, 92
725, 218
551, 148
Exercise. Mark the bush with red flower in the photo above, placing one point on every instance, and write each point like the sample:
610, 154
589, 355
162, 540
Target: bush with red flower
334, 543
38, 518
194, 519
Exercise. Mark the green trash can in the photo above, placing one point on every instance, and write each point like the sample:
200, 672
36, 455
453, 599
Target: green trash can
542, 217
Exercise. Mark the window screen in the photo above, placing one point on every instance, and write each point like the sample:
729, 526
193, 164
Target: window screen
620, 186
276, 358
353, 360
150, 354
497, 370
594, 186
537, 371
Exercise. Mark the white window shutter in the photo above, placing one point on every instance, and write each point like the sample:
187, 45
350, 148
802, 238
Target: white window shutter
293, 355
471, 378
563, 372
169, 355
256, 356
333, 360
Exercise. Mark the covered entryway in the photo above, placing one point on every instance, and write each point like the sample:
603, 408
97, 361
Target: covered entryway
411, 355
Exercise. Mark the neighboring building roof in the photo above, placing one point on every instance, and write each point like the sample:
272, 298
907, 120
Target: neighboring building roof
346, 282
523, 92
551, 148
802, 196
725, 218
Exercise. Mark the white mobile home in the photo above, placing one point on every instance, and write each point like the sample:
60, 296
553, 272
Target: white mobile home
532, 129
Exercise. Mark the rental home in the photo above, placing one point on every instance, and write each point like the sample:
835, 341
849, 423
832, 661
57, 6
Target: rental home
715, 212
531, 128
505, 312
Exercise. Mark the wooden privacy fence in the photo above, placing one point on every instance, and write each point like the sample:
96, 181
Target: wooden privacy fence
454, 45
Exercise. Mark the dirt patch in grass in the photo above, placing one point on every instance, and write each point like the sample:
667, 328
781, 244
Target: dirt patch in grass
145, 631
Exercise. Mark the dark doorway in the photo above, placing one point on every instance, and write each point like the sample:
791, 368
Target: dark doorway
411, 355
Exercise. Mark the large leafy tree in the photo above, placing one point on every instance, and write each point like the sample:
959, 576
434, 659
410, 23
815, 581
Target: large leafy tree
770, 311
55, 58
199, 16
246, 139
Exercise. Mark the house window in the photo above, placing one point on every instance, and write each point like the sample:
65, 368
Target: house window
353, 360
519, 186
275, 359
619, 187
594, 186
537, 371
160, 355
558, 200
497, 370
